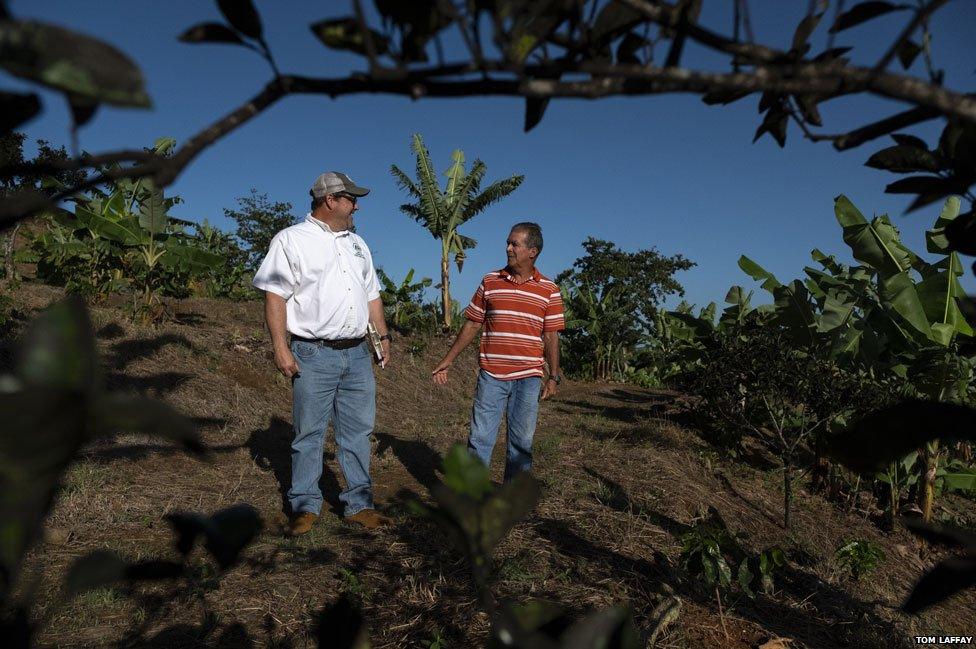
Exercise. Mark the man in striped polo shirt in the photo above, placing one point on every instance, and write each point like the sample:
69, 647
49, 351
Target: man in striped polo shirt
522, 313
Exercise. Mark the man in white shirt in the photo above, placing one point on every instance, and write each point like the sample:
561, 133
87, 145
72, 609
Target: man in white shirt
321, 288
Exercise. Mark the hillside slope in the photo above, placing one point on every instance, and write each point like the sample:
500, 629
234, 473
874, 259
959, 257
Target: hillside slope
623, 479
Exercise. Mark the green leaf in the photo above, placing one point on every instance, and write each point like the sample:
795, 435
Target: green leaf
889, 434
803, 32
902, 158
94, 570
58, 350
876, 244
71, 62
535, 108
152, 211
212, 33
465, 474
863, 12
908, 51
928, 188
758, 273
513, 502
614, 19
960, 480
242, 16
745, 576
901, 294
17, 108
344, 34
935, 239
44, 428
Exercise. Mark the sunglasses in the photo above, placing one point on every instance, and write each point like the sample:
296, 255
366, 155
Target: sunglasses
352, 199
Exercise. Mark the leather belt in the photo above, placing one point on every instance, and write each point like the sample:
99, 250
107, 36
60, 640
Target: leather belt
334, 343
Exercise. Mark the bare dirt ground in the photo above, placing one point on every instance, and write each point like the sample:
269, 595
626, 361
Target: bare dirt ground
623, 478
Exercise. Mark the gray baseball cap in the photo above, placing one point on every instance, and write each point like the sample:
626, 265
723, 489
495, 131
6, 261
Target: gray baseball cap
335, 181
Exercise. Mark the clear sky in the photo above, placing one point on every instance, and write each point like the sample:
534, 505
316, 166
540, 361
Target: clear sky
665, 171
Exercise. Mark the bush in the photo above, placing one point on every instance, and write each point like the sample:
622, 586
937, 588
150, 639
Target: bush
859, 557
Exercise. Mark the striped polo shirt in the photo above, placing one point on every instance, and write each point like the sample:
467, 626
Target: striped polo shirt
515, 317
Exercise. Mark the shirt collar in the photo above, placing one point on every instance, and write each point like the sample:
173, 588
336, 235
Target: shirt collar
536, 275
325, 226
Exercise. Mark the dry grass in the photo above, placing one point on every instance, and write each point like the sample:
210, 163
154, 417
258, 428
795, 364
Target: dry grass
622, 480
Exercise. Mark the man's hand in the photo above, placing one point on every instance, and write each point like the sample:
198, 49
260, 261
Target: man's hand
385, 346
549, 389
440, 372
286, 363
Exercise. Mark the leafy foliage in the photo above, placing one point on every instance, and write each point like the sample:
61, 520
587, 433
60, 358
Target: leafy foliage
859, 557
258, 221
710, 550
403, 303
611, 298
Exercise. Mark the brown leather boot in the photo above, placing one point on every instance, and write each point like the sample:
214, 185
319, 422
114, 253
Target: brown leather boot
301, 523
370, 519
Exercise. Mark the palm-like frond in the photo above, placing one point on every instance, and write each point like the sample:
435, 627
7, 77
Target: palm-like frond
465, 190
404, 181
431, 199
492, 194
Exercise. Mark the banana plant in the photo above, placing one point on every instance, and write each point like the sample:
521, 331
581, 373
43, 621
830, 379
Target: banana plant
922, 298
442, 212
403, 302
602, 319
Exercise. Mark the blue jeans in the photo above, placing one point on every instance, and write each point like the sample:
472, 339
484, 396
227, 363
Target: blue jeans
519, 399
334, 384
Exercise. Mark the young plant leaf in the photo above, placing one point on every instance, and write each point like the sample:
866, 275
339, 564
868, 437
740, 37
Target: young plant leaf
465, 474
242, 16
71, 62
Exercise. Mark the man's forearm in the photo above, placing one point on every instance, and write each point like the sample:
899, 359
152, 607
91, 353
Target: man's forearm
464, 338
274, 314
376, 315
551, 351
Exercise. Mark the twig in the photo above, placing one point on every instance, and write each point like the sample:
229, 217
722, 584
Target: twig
921, 16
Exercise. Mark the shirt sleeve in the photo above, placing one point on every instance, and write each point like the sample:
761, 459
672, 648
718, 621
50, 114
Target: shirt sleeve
555, 318
278, 272
372, 282
476, 309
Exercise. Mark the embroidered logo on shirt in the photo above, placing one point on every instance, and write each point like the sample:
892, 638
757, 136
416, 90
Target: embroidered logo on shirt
357, 250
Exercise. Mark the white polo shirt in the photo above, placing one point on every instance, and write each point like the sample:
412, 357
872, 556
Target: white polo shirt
325, 277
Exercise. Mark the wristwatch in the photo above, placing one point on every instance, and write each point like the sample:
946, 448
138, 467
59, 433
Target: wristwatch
556, 377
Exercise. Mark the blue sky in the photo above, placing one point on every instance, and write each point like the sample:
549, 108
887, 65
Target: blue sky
665, 171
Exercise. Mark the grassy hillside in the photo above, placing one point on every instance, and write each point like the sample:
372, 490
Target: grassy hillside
624, 475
